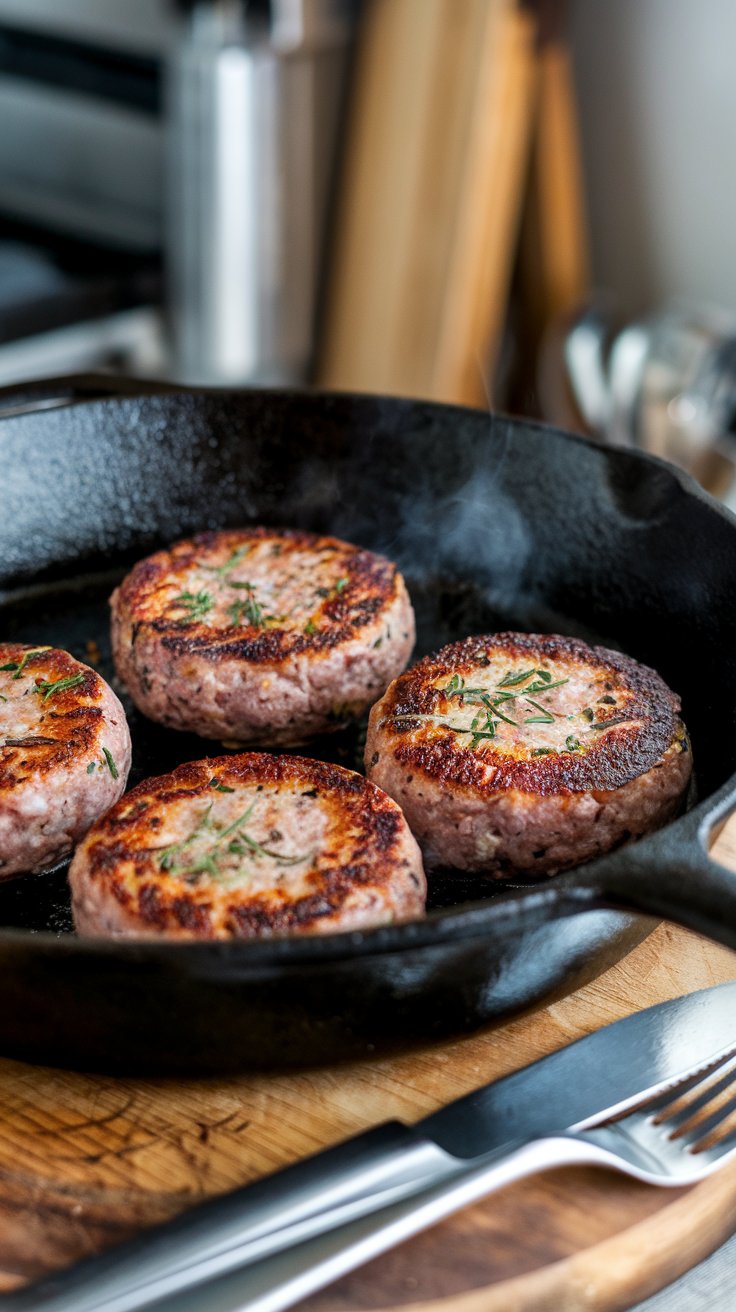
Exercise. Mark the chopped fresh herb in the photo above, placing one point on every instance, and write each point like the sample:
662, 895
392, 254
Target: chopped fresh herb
310, 627
378, 642
220, 788
512, 680
49, 687
241, 844
19, 666
543, 751
572, 744
91, 767
497, 711
230, 563
545, 716
110, 762
198, 604
248, 610
239, 554
542, 687
2, 698
610, 701
588, 714
341, 584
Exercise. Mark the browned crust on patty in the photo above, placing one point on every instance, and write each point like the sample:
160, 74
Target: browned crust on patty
371, 582
127, 876
524, 754
64, 754
260, 637
71, 718
619, 753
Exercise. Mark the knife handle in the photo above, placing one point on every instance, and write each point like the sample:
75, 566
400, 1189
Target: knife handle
262, 1217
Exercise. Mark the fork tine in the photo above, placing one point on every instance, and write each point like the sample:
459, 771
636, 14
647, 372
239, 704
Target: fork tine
702, 1131
692, 1107
676, 1091
717, 1152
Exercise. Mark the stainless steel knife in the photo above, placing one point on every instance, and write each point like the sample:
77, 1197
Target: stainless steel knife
588, 1081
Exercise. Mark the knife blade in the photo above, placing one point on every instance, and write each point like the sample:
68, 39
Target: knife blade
568, 1089
589, 1080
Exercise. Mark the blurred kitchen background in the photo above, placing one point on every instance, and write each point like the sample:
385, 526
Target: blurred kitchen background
525, 205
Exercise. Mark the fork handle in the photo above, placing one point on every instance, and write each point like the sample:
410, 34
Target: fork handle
258, 1218
278, 1282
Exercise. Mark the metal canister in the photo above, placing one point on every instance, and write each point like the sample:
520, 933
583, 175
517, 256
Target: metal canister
255, 92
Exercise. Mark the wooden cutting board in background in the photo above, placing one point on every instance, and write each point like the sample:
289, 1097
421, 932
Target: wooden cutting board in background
428, 206
461, 135
86, 1160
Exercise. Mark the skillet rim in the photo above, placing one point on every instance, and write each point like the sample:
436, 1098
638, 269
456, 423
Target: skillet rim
470, 919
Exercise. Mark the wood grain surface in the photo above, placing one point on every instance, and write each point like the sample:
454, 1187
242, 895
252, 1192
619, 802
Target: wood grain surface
429, 204
86, 1160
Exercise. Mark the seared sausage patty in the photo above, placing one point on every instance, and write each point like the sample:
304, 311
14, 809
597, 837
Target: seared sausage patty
64, 754
520, 753
248, 846
260, 636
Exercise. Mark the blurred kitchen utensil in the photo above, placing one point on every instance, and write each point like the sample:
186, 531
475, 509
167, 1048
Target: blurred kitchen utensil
254, 105
665, 383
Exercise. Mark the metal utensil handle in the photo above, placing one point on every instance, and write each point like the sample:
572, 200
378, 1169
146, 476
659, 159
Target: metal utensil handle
371, 1165
279, 1282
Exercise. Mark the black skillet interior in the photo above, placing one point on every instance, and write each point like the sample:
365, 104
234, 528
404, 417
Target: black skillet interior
495, 524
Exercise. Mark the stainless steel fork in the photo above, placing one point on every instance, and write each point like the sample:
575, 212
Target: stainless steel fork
678, 1138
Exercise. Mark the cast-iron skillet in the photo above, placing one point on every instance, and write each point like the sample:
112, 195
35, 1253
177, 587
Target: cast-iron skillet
496, 524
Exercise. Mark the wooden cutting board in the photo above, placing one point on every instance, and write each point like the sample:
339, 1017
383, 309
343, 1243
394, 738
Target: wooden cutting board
87, 1160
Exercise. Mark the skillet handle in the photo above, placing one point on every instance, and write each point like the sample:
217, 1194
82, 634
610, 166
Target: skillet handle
669, 875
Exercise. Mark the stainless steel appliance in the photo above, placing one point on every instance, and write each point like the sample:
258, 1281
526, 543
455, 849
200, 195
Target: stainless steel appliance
193, 139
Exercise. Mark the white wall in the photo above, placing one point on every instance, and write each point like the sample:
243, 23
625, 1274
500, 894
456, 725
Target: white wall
656, 86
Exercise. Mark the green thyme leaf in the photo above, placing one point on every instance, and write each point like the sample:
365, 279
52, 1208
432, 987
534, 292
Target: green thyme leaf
497, 711
110, 762
235, 559
248, 609
49, 688
19, 666
220, 788
174, 858
198, 604
512, 680
546, 717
